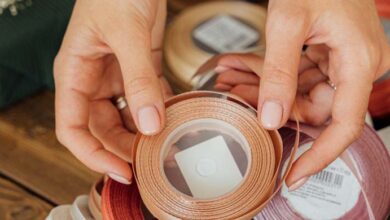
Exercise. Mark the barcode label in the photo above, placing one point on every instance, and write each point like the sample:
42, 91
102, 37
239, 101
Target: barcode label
329, 194
328, 179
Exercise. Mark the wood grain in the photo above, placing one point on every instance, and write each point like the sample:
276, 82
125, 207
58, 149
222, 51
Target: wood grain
31, 154
17, 204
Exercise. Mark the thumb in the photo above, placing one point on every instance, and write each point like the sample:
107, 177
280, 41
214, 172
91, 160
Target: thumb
141, 82
278, 83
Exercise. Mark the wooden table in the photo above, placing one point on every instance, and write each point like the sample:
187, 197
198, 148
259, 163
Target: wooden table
36, 171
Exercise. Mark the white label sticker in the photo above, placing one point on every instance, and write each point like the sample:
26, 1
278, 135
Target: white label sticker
226, 34
209, 168
327, 195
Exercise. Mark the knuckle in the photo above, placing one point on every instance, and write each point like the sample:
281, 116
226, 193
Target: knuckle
353, 130
139, 85
278, 76
290, 20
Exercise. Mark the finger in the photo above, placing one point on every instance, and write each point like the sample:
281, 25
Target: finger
249, 93
315, 107
166, 88
127, 120
309, 79
305, 64
243, 62
347, 122
106, 125
285, 38
234, 77
222, 87
72, 110
319, 54
141, 82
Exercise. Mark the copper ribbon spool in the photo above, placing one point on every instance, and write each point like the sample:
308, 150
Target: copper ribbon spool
165, 202
183, 57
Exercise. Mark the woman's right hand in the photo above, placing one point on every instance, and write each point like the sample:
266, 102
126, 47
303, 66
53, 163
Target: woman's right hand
110, 49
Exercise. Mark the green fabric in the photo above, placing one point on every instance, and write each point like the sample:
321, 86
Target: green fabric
28, 45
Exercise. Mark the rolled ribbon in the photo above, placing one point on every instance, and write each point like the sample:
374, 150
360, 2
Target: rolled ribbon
369, 162
255, 190
184, 53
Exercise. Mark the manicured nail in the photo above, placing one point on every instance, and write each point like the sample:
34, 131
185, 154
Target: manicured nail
149, 120
221, 69
298, 184
119, 179
271, 115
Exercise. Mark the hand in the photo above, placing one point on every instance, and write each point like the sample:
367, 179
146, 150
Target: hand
111, 49
358, 52
315, 101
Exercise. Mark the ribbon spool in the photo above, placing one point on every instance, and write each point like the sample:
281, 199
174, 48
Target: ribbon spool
167, 187
368, 161
204, 30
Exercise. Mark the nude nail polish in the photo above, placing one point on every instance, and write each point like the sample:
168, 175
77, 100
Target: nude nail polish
297, 184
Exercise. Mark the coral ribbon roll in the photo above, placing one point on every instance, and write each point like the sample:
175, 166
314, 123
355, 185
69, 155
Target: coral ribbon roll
207, 29
212, 160
122, 202
331, 194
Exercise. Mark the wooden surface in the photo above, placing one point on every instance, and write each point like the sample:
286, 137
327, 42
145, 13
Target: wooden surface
18, 204
31, 156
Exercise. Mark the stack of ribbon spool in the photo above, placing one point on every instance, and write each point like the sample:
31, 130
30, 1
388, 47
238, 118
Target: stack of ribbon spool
355, 186
207, 29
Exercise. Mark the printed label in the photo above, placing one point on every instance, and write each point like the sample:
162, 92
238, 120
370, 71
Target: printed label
327, 195
226, 34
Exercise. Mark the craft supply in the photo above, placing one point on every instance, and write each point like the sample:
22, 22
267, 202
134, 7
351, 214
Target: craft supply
94, 201
354, 186
204, 30
218, 136
60, 213
363, 167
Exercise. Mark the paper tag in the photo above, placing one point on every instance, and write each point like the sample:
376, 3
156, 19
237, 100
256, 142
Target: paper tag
209, 168
226, 34
327, 195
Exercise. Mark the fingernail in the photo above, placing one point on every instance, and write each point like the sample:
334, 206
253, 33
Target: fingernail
149, 120
271, 115
221, 69
119, 179
297, 184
